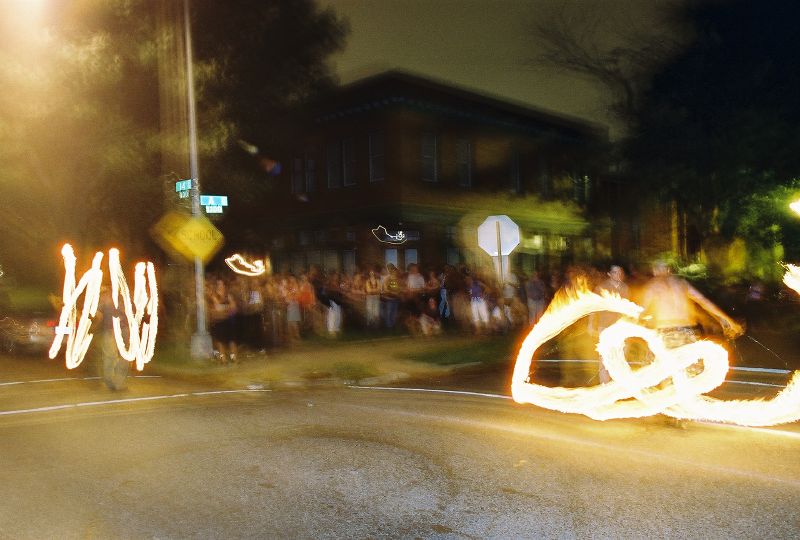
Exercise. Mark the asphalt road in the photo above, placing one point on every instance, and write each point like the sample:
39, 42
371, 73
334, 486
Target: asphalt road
167, 459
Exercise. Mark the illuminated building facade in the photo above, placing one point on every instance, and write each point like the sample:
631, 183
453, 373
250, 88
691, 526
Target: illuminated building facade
433, 161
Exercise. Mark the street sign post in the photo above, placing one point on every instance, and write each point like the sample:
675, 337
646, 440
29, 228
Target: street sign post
498, 236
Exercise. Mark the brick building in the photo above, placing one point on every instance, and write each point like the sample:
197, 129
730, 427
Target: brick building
433, 161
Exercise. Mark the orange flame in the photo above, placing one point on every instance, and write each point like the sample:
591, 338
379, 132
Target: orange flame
792, 277
662, 387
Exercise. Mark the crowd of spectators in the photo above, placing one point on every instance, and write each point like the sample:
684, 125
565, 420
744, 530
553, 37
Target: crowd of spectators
282, 309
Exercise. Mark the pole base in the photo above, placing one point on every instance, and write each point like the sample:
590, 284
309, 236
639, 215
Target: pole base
202, 348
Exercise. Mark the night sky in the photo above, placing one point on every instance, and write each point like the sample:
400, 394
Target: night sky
484, 45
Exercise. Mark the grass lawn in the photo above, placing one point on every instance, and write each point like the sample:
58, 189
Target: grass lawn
467, 350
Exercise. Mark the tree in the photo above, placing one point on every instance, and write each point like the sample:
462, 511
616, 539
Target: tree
718, 123
711, 117
82, 112
258, 66
611, 53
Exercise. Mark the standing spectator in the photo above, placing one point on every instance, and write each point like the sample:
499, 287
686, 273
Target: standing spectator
415, 289
372, 288
223, 321
357, 295
391, 291
275, 309
252, 323
536, 292
444, 300
415, 282
432, 288
480, 311
307, 300
291, 296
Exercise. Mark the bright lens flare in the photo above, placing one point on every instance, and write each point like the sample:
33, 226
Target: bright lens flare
665, 386
795, 206
141, 335
238, 264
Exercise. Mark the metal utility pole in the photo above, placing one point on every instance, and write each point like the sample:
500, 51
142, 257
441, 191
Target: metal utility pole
201, 340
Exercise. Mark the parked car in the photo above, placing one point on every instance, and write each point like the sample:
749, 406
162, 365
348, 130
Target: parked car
29, 333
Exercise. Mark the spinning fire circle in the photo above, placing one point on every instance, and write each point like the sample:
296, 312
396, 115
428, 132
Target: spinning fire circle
665, 386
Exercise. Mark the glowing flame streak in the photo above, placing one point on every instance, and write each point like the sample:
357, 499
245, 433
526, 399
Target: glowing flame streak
78, 336
380, 232
792, 277
256, 268
141, 335
680, 398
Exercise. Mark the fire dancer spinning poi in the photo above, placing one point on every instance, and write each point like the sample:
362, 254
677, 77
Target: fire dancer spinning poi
668, 303
674, 383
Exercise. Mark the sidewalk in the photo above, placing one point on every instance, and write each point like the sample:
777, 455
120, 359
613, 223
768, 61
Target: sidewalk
368, 362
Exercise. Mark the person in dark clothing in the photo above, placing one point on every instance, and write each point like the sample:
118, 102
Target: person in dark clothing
114, 368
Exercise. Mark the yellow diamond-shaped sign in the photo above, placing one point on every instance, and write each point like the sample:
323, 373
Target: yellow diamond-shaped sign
188, 236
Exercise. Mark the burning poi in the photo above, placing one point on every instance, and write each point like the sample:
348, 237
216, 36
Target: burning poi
144, 304
663, 387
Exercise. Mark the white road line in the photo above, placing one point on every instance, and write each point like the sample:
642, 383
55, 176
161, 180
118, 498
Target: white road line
499, 396
432, 391
129, 400
732, 368
756, 383
62, 379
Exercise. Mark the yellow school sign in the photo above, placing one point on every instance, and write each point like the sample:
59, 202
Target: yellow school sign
188, 236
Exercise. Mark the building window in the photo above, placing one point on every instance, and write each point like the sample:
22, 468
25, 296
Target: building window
314, 258
298, 263
581, 188
303, 174
377, 162
311, 175
464, 162
453, 256
545, 182
430, 169
298, 181
411, 256
516, 181
349, 261
390, 256
334, 158
331, 261
304, 238
320, 236
348, 162
350, 236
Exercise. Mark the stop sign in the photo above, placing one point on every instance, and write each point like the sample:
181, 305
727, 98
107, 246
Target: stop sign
498, 233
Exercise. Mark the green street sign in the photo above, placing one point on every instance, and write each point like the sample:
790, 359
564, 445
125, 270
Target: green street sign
183, 185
